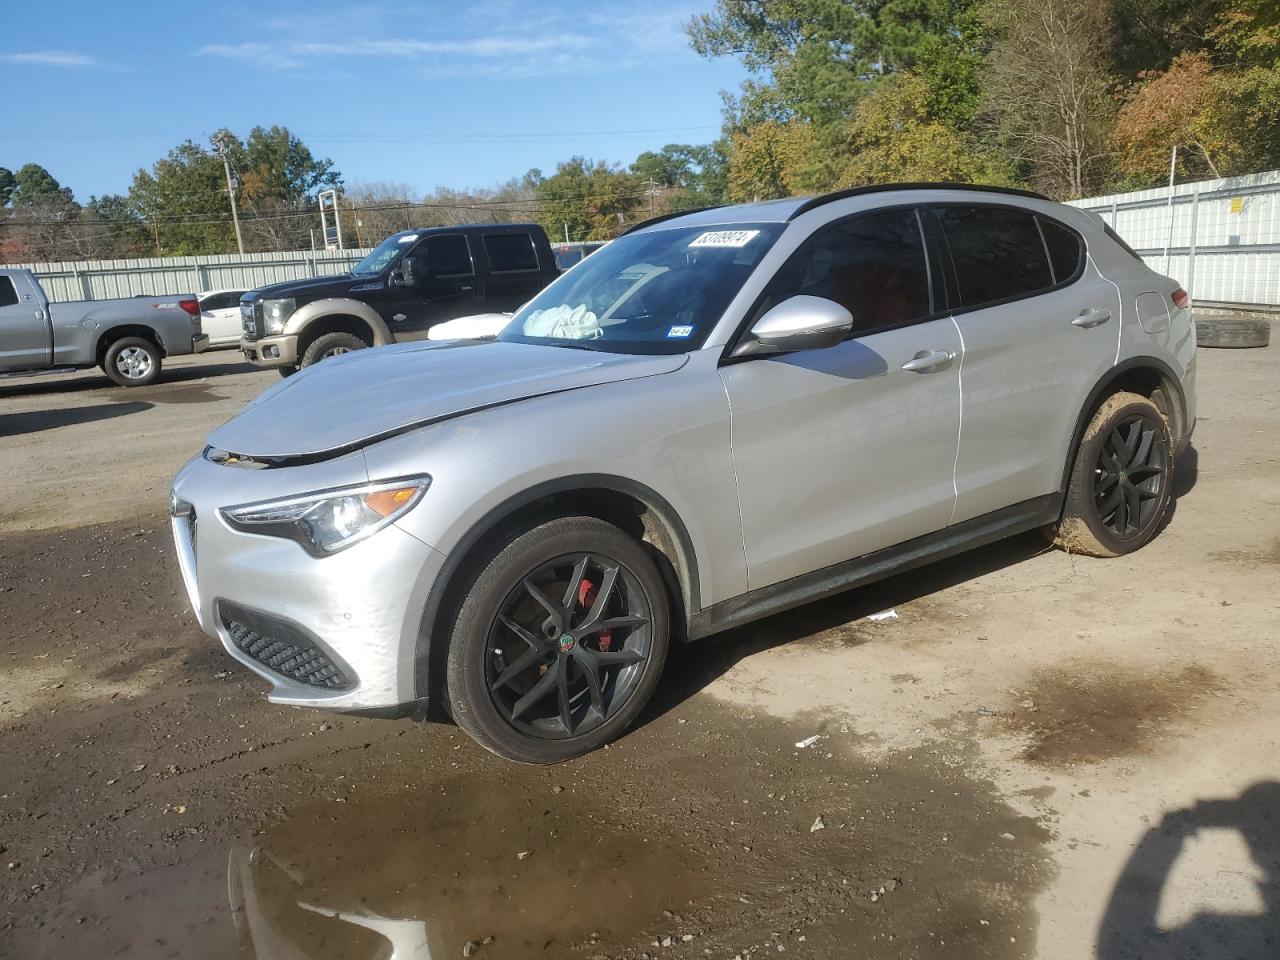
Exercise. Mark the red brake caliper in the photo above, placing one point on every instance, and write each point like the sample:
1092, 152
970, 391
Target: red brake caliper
586, 597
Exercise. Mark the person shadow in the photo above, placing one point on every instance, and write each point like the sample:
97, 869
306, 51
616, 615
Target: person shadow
1130, 928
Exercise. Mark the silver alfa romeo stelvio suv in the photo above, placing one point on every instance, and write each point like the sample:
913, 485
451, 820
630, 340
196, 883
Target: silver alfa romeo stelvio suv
719, 416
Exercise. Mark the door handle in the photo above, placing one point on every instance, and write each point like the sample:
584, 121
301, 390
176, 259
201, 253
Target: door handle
1092, 318
928, 360
464, 288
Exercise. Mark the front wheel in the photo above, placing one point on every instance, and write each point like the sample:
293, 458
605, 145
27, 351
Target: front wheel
132, 362
559, 641
330, 345
1121, 481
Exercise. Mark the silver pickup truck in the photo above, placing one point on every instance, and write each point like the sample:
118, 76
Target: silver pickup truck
128, 339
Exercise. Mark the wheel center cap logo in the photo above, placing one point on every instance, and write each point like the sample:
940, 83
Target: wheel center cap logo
566, 642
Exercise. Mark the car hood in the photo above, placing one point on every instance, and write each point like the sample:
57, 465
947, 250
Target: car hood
356, 399
311, 287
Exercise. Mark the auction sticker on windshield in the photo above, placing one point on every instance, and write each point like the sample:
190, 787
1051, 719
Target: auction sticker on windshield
725, 238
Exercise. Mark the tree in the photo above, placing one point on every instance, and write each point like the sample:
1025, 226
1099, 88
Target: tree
820, 57
7, 185
896, 136
591, 200
34, 185
1046, 90
769, 160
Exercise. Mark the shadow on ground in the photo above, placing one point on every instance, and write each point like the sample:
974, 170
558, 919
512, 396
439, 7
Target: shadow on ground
1130, 927
36, 421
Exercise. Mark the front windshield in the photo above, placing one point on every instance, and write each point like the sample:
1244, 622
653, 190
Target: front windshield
653, 292
383, 254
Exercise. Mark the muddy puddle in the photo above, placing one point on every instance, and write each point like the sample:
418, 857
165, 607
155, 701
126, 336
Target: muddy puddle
194, 820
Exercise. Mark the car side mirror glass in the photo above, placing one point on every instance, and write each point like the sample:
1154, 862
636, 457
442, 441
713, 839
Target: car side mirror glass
410, 272
801, 323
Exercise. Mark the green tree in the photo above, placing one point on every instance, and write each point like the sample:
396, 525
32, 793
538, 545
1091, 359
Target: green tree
770, 160
895, 135
184, 197
593, 199
7, 185
33, 185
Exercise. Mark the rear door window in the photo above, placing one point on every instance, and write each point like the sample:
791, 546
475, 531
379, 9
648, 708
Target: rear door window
8, 294
447, 255
872, 264
997, 252
510, 252
1065, 249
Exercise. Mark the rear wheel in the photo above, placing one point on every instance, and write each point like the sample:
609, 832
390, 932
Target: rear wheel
559, 642
286, 371
132, 362
330, 345
1121, 482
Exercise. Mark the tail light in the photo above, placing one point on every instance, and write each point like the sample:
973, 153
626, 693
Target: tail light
1180, 299
192, 306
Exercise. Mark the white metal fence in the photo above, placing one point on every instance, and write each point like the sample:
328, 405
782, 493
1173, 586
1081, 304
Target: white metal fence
157, 276
1219, 238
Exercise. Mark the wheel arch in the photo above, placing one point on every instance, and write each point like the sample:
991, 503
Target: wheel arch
632, 506
119, 331
337, 315
1148, 376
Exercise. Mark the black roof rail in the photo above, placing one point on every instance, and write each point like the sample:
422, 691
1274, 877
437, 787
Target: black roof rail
887, 187
666, 216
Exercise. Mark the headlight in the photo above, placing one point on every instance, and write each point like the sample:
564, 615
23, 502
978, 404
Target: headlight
330, 520
276, 313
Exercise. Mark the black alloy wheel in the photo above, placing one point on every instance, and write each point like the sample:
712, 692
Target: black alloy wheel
559, 639
1131, 476
1120, 486
567, 647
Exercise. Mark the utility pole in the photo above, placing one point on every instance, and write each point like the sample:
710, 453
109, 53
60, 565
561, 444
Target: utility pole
233, 184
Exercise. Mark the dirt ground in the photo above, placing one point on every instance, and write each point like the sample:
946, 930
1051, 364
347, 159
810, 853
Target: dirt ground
1042, 756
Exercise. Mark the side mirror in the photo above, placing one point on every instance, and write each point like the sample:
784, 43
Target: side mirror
409, 272
801, 323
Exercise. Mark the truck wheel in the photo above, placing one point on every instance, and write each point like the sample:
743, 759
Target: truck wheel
132, 362
1121, 481
330, 345
288, 371
558, 642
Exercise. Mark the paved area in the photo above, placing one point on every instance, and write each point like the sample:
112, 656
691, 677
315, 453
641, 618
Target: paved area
1042, 756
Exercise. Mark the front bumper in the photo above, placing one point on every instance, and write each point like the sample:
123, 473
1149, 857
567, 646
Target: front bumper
280, 351
340, 632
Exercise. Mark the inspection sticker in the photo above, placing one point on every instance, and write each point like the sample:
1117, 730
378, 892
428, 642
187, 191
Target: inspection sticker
725, 238
680, 332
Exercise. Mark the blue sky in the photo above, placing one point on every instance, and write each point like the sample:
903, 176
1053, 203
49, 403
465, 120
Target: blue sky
427, 94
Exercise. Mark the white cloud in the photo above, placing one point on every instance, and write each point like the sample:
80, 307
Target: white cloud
50, 58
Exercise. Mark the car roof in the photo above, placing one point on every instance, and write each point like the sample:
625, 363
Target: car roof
782, 211
468, 228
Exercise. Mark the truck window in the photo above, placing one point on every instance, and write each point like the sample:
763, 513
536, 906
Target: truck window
509, 252
8, 295
447, 255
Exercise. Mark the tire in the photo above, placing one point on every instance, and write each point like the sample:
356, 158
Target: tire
286, 371
1107, 513
1232, 332
132, 362
503, 630
330, 345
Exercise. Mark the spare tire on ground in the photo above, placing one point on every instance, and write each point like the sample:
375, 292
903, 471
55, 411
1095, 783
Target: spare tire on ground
1232, 332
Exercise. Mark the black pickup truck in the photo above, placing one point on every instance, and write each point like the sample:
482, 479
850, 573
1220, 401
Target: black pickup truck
413, 279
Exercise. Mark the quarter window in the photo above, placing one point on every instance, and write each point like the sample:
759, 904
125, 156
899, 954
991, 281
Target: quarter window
510, 251
1065, 249
8, 295
873, 265
447, 255
997, 252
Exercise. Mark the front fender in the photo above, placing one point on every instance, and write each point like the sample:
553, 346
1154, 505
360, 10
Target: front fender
307, 314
